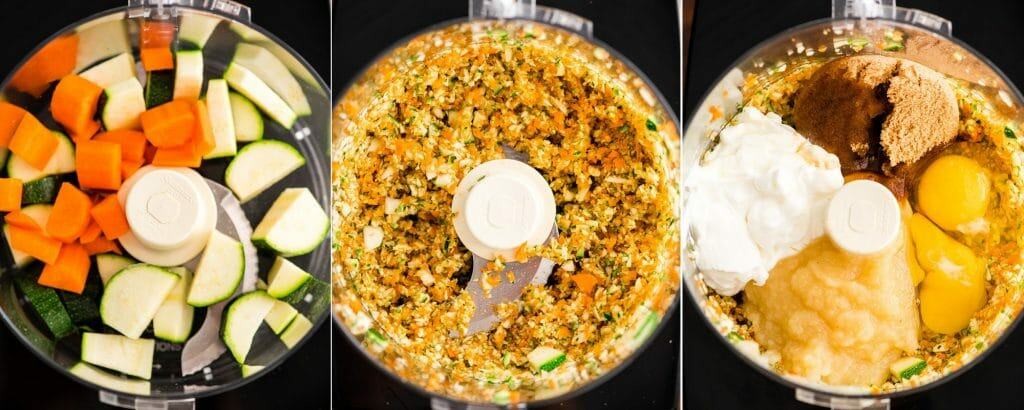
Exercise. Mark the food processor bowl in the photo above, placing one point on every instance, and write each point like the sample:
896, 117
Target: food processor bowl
857, 27
361, 327
116, 31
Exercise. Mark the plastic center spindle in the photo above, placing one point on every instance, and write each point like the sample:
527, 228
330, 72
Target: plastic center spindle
863, 217
501, 211
163, 209
500, 205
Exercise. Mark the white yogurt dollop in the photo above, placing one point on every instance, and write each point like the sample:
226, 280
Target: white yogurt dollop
760, 196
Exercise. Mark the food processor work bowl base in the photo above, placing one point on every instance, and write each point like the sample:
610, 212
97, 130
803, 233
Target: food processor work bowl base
130, 402
841, 403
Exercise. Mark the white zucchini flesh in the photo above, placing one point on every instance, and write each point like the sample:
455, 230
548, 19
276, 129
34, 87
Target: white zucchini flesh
133, 357
545, 359
242, 319
298, 329
125, 103
285, 278
257, 91
103, 378
219, 271
294, 225
116, 69
61, 162
173, 320
259, 165
132, 297
108, 264
100, 40
188, 74
273, 72
222, 122
247, 119
248, 370
196, 28
280, 316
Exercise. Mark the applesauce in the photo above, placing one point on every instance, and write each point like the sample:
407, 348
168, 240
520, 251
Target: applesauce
834, 317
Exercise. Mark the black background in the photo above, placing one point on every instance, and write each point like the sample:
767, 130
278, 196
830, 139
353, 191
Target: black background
714, 378
646, 32
303, 381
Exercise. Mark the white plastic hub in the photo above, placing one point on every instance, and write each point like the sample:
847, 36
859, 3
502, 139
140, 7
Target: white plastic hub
170, 211
500, 205
163, 209
863, 217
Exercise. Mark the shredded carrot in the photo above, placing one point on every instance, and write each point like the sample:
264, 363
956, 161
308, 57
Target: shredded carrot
70, 214
74, 102
585, 281
69, 271
110, 216
33, 142
34, 243
98, 164
10, 117
10, 194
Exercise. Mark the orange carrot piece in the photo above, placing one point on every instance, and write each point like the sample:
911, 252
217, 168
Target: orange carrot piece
101, 245
22, 220
33, 142
128, 168
34, 243
10, 194
98, 164
155, 33
203, 135
70, 214
133, 143
184, 156
156, 58
147, 157
91, 232
110, 216
171, 124
52, 62
91, 128
585, 281
10, 117
74, 103
69, 271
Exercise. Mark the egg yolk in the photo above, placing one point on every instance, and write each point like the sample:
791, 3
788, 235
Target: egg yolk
953, 288
953, 191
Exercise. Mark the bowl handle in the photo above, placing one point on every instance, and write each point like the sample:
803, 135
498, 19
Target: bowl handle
841, 403
161, 9
138, 403
529, 10
888, 10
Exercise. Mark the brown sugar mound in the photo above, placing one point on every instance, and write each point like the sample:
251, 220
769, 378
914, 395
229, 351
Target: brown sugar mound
869, 110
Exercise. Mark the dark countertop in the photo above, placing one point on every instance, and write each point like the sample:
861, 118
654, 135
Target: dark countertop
722, 31
647, 33
303, 382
